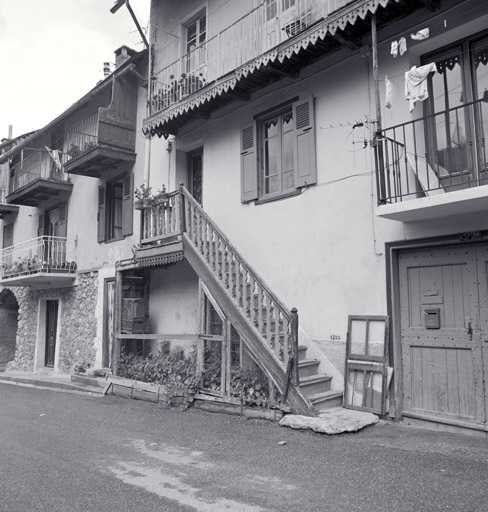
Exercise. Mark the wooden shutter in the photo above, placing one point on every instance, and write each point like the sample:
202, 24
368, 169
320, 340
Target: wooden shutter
128, 205
8, 235
62, 231
305, 161
101, 213
40, 227
249, 173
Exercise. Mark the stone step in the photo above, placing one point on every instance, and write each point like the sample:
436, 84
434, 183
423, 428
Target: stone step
308, 367
315, 384
327, 400
89, 380
302, 352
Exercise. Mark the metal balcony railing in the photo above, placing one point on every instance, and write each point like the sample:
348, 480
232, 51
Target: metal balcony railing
436, 154
45, 254
261, 29
40, 164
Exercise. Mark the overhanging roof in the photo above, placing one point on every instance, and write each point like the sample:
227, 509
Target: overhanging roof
341, 20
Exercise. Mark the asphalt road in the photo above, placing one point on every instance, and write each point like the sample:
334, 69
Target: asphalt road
63, 452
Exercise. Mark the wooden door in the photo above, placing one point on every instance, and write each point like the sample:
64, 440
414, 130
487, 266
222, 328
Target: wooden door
51, 331
108, 319
272, 35
441, 333
195, 174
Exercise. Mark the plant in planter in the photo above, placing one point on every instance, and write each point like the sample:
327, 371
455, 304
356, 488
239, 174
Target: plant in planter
74, 150
144, 197
162, 197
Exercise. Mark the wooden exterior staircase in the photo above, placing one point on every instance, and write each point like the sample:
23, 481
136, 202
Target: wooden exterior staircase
267, 326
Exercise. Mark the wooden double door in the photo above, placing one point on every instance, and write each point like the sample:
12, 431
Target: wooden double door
444, 332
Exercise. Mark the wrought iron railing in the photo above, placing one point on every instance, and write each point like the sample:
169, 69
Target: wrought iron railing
438, 153
44, 254
40, 164
261, 29
82, 136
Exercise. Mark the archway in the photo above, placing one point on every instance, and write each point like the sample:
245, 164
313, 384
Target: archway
9, 310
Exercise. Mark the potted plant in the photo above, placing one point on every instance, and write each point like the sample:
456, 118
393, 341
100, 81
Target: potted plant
162, 197
143, 197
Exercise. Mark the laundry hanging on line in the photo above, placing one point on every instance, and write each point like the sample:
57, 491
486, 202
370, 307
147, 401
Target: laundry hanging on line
390, 89
420, 35
416, 83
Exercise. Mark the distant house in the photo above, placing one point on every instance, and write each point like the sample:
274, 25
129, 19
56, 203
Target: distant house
67, 217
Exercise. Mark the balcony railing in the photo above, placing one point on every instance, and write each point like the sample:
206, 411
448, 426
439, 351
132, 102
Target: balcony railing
263, 28
45, 254
438, 153
161, 220
82, 136
39, 164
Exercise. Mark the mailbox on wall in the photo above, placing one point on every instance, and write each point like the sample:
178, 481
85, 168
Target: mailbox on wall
432, 318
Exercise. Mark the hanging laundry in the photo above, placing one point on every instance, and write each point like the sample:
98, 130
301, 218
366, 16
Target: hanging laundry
54, 154
402, 45
420, 35
390, 89
394, 49
416, 83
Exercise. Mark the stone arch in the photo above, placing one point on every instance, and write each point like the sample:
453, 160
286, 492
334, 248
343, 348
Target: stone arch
9, 313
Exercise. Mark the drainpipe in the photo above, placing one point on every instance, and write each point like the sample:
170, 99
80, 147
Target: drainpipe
378, 137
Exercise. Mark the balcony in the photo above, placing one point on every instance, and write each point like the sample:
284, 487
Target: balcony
5, 208
37, 178
435, 166
270, 42
105, 139
43, 262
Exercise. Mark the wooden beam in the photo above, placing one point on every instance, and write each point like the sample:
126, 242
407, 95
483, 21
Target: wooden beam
350, 42
291, 73
239, 94
432, 5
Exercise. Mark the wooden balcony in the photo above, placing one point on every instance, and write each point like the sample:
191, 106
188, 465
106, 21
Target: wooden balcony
267, 44
422, 173
106, 138
43, 262
6, 209
37, 178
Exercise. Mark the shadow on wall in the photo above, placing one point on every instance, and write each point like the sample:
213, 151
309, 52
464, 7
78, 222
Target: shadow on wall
9, 310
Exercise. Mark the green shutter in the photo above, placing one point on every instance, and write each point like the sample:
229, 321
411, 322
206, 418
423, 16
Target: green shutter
128, 205
101, 213
249, 173
305, 160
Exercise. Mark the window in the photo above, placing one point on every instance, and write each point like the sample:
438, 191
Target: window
8, 235
115, 209
278, 152
195, 31
457, 137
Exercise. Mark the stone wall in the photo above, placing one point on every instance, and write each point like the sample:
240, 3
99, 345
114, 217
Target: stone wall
76, 324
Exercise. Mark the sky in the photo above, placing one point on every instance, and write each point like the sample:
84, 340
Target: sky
52, 53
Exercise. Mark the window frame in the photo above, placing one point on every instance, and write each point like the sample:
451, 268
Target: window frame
105, 215
304, 157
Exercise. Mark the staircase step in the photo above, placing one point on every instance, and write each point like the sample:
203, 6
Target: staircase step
89, 380
315, 384
327, 400
302, 352
308, 367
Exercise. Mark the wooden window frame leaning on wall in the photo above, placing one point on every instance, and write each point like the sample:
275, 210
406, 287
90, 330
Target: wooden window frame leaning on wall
290, 127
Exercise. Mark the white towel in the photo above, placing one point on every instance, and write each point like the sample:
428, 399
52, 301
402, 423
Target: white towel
416, 83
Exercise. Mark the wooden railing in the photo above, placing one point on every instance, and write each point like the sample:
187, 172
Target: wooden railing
41, 254
82, 136
271, 318
245, 39
39, 164
161, 220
